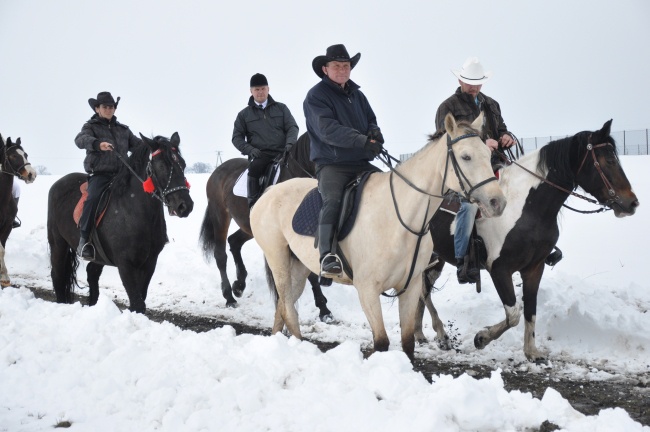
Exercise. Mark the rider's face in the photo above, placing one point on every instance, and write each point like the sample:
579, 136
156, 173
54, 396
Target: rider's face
105, 111
470, 89
339, 72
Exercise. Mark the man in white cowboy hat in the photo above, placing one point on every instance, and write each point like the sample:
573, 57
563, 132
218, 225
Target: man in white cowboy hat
466, 104
344, 138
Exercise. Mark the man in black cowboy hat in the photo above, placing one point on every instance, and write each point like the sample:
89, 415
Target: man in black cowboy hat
263, 131
100, 136
344, 139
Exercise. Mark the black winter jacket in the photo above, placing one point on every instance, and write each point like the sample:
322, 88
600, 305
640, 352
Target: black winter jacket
269, 130
338, 121
98, 129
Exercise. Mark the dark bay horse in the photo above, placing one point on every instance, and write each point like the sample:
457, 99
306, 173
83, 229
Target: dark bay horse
223, 206
536, 187
132, 231
13, 163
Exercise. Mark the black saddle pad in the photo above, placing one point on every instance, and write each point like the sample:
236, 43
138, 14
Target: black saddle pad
305, 220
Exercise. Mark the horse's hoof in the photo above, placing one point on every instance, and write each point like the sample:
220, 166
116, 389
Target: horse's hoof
232, 304
421, 340
4, 284
238, 288
481, 340
327, 318
444, 344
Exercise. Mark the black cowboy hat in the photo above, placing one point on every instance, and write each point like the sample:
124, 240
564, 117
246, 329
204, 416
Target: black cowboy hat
103, 98
334, 53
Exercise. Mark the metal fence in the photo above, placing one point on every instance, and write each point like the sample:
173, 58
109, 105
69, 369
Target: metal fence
628, 142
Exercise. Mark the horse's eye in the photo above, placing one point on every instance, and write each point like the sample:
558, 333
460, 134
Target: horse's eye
466, 157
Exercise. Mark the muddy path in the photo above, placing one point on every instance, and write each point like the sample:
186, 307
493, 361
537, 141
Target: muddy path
632, 393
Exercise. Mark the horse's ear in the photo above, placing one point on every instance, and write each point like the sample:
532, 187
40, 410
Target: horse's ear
175, 140
146, 140
450, 123
607, 127
477, 124
9, 142
18, 141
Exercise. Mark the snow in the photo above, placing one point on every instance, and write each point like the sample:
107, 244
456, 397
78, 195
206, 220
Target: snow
102, 369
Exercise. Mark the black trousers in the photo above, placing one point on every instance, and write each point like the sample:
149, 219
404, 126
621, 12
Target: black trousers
257, 166
331, 183
96, 184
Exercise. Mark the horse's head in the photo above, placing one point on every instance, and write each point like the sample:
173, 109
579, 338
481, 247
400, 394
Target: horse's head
14, 161
599, 172
469, 157
166, 174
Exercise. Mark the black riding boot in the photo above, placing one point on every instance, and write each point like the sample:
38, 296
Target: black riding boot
253, 191
85, 250
330, 264
16, 223
465, 272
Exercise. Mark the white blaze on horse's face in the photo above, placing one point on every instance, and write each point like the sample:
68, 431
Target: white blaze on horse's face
28, 174
475, 169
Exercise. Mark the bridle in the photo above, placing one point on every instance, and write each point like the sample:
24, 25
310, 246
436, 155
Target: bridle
462, 179
7, 163
591, 150
159, 194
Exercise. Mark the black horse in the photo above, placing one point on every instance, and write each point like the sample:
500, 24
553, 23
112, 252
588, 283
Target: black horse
132, 231
536, 187
13, 163
223, 206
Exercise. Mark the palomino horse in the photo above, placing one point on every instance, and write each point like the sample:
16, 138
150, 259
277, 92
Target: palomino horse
224, 205
394, 210
132, 231
536, 186
13, 163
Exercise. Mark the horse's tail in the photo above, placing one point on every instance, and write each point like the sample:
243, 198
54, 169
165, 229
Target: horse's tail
206, 237
271, 282
64, 286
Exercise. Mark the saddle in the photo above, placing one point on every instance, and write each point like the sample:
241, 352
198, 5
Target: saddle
101, 210
305, 220
269, 178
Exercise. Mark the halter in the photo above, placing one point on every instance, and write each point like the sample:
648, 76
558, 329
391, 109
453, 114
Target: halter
161, 196
6, 162
591, 149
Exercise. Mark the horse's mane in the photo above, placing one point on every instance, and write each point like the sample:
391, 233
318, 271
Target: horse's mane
435, 137
557, 158
300, 153
138, 161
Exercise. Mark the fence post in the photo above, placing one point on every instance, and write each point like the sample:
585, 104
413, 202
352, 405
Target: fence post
624, 151
646, 142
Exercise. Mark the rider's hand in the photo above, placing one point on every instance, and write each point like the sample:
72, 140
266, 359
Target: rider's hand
256, 152
376, 135
288, 147
374, 146
506, 141
105, 146
492, 144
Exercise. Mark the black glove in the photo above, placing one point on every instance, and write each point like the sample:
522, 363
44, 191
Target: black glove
376, 135
288, 147
374, 146
255, 152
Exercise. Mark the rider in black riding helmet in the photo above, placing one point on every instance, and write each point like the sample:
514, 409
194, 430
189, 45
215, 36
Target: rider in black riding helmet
263, 131
100, 137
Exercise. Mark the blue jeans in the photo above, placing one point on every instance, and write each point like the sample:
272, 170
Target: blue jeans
464, 225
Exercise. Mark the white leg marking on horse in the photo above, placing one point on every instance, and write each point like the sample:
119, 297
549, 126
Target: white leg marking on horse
4, 277
530, 348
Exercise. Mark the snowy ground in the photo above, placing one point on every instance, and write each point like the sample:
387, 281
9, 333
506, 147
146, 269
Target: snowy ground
101, 369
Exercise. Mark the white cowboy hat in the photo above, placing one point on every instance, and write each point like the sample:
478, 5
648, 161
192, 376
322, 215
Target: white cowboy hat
472, 72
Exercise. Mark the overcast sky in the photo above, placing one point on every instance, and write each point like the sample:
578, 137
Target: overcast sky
559, 66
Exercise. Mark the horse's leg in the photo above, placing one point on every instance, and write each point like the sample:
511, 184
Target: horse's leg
63, 264
505, 288
319, 298
93, 272
4, 275
220, 234
531, 278
290, 276
130, 279
236, 241
430, 276
372, 308
408, 303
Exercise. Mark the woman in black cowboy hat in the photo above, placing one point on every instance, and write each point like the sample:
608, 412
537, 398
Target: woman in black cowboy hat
344, 139
100, 137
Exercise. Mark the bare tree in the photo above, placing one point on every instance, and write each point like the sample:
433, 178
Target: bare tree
199, 168
41, 170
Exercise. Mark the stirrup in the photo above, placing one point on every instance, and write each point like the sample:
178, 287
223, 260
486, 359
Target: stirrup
88, 252
16, 223
554, 257
333, 268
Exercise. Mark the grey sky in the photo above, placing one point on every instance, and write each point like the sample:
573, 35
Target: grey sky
559, 66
